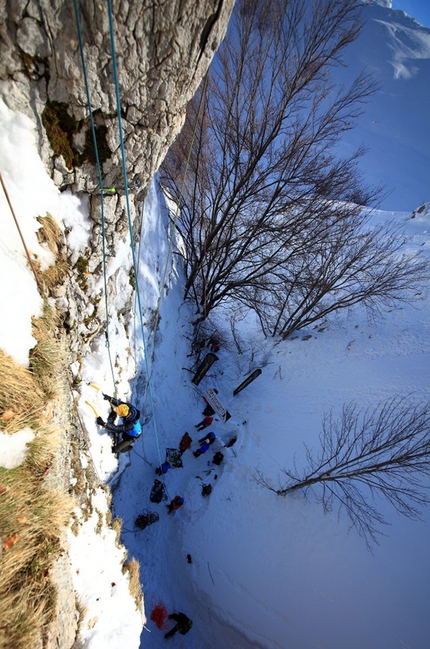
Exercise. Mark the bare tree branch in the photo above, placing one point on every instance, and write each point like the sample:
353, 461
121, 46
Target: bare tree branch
270, 216
381, 452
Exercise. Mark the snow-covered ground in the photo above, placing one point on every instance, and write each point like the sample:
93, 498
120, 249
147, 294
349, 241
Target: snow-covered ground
265, 571
268, 571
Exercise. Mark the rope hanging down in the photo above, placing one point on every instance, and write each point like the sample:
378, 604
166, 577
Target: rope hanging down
130, 225
99, 171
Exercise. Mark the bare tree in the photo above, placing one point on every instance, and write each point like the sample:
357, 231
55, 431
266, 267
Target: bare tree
381, 452
353, 265
269, 215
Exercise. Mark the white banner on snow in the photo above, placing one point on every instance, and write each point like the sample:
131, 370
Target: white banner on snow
213, 400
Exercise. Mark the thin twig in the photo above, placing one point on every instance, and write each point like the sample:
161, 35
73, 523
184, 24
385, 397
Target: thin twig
30, 261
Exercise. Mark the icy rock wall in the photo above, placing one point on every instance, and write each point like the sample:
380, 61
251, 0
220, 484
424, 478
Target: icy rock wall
163, 50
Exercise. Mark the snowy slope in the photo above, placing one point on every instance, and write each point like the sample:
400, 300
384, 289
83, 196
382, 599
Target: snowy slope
32, 193
272, 572
267, 571
395, 126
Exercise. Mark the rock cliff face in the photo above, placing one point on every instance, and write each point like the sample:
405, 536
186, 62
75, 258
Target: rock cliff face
163, 49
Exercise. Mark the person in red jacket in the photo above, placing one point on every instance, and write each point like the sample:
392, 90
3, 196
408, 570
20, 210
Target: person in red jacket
207, 421
175, 504
185, 443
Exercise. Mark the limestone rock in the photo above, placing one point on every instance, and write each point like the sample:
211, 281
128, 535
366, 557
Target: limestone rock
163, 50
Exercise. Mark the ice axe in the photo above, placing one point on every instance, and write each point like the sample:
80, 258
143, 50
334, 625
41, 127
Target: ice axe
97, 387
92, 408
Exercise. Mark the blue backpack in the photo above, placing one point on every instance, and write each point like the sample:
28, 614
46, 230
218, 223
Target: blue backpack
136, 430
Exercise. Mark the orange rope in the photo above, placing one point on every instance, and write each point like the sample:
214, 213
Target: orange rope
30, 261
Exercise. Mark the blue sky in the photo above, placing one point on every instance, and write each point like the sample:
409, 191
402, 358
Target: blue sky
418, 9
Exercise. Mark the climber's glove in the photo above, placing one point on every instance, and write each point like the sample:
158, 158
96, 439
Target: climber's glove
100, 422
106, 397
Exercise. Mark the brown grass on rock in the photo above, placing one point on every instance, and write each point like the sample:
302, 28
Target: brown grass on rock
32, 516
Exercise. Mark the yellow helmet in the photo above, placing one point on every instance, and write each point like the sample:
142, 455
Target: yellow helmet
122, 410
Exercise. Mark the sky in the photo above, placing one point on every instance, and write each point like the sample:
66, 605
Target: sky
265, 572
418, 9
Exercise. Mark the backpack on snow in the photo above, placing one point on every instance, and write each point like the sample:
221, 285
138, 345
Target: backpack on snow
157, 492
145, 519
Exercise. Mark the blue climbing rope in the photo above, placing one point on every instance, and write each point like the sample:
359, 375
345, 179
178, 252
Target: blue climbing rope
130, 225
93, 132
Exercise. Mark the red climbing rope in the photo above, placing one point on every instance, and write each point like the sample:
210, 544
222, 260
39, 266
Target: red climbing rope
159, 614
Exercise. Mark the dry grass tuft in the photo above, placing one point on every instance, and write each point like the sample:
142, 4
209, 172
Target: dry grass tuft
116, 525
50, 236
54, 275
21, 399
31, 515
135, 587
48, 357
